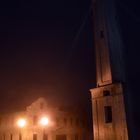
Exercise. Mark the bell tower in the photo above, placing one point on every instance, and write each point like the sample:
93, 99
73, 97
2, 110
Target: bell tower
109, 117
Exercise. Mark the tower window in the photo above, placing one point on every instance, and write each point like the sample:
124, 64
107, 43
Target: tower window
108, 114
106, 93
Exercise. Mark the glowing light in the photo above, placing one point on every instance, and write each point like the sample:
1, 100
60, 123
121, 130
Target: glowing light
44, 121
21, 122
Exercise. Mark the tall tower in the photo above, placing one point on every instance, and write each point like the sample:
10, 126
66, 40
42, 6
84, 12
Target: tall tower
109, 118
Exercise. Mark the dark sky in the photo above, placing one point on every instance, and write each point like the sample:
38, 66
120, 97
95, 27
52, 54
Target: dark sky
45, 50
129, 16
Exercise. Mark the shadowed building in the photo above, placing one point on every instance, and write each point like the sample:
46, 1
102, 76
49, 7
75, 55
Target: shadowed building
28, 125
109, 115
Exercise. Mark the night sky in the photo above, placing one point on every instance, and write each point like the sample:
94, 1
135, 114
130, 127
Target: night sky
46, 50
130, 25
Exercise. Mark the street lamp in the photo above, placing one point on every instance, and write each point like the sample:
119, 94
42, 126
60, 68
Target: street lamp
44, 121
21, 123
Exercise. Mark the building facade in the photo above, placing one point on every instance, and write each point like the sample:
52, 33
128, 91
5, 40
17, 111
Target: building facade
61, 125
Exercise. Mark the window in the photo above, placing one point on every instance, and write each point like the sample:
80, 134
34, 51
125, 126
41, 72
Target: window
45, 136
61, 137
20, 137
84, 137
108, 114
34, 136
106, 93
3, 136
11, 136
76, 137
